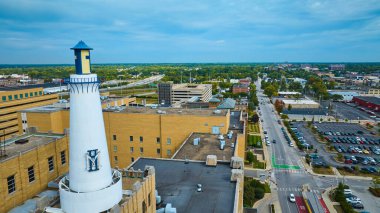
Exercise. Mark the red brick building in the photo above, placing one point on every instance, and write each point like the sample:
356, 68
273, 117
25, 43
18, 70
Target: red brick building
369, 102
240, 88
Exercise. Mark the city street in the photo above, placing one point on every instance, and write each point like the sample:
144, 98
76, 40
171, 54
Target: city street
288, 174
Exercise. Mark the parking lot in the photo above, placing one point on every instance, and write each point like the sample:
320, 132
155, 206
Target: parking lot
358, 146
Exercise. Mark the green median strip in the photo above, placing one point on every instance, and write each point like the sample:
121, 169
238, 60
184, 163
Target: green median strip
283, 166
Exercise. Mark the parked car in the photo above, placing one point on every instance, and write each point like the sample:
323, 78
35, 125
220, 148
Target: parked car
357, 205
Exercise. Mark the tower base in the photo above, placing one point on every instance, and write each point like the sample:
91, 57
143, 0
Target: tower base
96, 201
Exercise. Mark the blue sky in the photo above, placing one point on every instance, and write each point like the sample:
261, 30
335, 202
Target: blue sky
161, 31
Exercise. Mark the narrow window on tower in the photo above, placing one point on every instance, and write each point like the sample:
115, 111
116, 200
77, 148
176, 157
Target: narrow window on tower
11, 184
51, 163
63, 157
130, 138
114, 137
141, 139
31, 174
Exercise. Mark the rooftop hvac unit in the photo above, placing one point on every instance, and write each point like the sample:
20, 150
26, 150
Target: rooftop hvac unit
220, 137
196, 141
158, 197
222, 144
229, 135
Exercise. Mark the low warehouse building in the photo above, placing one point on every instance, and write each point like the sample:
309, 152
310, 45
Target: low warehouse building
301, 103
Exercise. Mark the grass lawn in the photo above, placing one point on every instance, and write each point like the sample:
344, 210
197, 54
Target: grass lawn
253, 128
324, 171
344, 172
255, 141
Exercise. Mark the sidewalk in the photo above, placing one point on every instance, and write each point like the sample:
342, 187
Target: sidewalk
328, 202
337, 174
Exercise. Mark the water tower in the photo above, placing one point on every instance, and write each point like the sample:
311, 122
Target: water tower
91, 185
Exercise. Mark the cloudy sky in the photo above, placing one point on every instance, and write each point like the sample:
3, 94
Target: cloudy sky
140, 31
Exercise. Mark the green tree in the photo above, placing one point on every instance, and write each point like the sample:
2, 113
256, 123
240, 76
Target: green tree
295, 86
283, 85
250, 157
271, 91
336, 97
289, 107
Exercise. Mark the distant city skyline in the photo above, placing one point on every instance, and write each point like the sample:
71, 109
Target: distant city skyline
193, 31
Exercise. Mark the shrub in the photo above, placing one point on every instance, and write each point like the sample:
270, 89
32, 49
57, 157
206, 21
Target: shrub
259, 193
250, 157
375, 192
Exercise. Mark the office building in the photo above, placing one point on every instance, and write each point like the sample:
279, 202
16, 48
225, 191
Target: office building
16, 100
183, 92
165, 94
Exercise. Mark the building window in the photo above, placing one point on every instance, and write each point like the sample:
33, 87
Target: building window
114, 137
158, 151
4, 98
63, 157
115, 148
31, 94
11, 184
141, 139
131, 149
26, 95
51, 163
130, 138
16, 96
168, 152
141, 150
115, 158
31, 174
158, 140
149, 198
132, 159
35, 93
144, 208
9, 97
40, 92
21, 96
169, 141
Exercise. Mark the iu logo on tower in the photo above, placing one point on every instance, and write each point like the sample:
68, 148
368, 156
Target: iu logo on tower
92, 159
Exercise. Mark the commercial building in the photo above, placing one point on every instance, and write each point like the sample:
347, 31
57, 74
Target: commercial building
181, 92
28, 163
165, 93
299, 80
16, 100
240, 88
136, 132
347, 95
300, 103
333, 67
369, 102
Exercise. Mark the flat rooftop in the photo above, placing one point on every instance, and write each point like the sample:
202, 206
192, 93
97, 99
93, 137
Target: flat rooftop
370, 99
190, 86
208, 145
176, 183
302, 101
34, 140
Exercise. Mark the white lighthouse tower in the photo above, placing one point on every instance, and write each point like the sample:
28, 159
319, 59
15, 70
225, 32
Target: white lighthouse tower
91, 185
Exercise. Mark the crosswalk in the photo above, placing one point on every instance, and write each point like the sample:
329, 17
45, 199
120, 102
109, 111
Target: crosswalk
298, 171
295, 189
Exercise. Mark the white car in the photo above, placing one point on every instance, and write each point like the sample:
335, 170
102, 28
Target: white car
292, 198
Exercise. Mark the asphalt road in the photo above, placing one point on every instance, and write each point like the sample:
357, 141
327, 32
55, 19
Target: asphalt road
285, 181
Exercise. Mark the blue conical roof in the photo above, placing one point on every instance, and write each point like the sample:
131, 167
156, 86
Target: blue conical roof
81, 46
